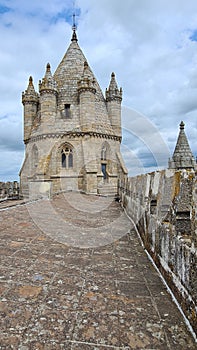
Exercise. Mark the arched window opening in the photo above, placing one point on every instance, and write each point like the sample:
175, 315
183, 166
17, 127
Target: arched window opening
70, 160
104, 153
67, 111
104, 171
34, 157
105, 163
67, 157
63, 160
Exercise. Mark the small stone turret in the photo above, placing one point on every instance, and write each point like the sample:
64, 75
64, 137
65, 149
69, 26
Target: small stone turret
48, 83
48, 97
182, 157
30, 103
114, 98
87, 91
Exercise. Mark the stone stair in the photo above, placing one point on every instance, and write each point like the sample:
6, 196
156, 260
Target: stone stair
24, 192
106, 189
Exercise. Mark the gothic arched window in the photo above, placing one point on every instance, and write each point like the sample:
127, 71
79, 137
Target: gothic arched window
104, 153
67, 157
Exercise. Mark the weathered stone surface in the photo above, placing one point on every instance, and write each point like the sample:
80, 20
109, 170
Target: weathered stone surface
71, 132
60, 296
166, 218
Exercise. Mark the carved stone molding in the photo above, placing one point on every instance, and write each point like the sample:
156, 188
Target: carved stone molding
72, 134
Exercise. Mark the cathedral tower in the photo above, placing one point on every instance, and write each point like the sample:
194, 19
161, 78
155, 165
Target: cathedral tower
72, 134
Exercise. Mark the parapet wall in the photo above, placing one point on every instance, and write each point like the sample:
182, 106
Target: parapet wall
9, 190
163, 206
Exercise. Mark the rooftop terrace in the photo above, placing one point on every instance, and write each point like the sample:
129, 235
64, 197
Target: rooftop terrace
75, 276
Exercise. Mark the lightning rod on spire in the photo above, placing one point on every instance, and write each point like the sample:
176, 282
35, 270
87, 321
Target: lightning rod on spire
74, 22
74, 26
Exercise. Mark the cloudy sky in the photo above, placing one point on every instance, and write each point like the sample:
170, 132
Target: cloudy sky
151, 45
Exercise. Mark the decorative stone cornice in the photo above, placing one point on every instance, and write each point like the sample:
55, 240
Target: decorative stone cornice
29, 101
86, 88
48, 91
113, 98
72, 134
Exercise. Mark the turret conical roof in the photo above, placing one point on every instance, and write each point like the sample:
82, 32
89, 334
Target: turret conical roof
30, 94
48, 82
182, 157
113, 92
67, 75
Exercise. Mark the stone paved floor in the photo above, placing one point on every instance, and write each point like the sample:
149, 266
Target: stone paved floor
73, 277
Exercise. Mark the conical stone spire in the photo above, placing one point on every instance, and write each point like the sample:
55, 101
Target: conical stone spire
71, 75
113, 92
30, 95
87, 82
182, 157
48, 82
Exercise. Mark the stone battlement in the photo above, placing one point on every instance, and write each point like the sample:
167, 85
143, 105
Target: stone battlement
9, 190
163, 207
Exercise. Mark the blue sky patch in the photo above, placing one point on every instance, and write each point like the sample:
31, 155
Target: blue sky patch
193, 37
67, 15
4, 9
145, 156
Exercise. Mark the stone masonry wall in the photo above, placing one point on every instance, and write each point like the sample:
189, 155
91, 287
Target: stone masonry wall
163, 207
9, 190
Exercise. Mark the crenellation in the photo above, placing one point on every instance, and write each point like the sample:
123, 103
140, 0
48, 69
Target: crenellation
166, 221
9, 190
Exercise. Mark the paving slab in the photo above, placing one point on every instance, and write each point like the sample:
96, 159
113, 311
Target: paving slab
74, 275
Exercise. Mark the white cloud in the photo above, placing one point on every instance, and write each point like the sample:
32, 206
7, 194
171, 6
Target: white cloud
147, 43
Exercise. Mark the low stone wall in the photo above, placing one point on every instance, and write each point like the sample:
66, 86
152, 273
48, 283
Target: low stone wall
9, 190
163, 206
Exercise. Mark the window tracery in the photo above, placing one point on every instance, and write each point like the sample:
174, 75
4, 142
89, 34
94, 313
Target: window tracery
67, 157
